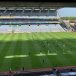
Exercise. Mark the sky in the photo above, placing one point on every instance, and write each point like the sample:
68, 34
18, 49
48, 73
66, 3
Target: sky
63, 12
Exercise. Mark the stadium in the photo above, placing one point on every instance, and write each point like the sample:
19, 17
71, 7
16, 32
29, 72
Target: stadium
35, 41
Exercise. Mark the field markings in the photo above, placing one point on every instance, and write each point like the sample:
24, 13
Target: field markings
5, 50
15, 56
52, 58
41, 54
66, 61
35, 61
31, 49
16, 62
71, 52
12, 52
36, 50
26, 61
3, 44
43, 59
53, 50
7, 62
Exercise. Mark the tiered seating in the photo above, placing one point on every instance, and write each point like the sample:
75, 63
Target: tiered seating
39, 28
40, 20
5, 29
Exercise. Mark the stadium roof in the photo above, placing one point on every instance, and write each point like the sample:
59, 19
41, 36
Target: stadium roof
37, 4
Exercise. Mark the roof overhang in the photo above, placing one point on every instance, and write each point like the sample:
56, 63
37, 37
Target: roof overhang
54, 5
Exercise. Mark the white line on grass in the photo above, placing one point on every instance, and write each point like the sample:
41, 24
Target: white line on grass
16, 56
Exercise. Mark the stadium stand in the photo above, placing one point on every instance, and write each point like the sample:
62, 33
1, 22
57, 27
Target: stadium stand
31, 28
27, 12
40, 20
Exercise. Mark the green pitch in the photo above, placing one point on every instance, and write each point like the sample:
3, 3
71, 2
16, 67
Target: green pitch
37, 50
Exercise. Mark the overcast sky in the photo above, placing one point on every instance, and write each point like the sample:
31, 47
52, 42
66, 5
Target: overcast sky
63, 12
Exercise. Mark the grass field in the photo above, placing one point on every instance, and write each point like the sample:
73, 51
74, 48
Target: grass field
37, 50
